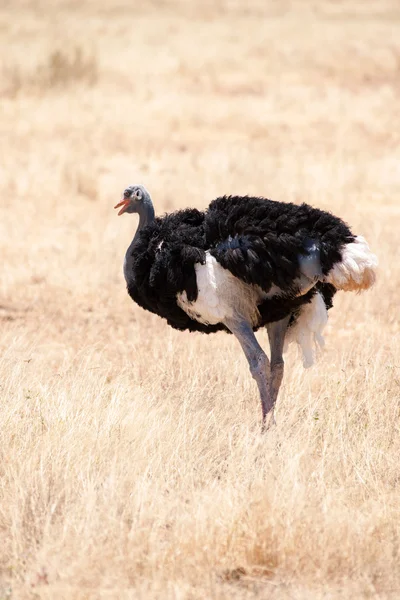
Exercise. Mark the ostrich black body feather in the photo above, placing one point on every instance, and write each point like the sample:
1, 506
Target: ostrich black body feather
258, 240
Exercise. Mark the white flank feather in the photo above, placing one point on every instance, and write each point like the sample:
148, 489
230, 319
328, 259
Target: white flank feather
221, 295
307, 331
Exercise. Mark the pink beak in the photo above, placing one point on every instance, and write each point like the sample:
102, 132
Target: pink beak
124, 203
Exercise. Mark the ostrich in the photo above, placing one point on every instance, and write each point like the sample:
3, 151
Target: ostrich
242, 264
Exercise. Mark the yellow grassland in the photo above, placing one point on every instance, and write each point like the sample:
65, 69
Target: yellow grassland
132, 464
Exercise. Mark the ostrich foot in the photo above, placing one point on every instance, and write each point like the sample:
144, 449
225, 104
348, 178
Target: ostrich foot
268, 421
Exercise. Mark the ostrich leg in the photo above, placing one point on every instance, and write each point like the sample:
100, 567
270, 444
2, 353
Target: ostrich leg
258, 363
276, 335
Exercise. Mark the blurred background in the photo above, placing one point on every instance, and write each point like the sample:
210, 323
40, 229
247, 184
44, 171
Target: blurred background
293, 100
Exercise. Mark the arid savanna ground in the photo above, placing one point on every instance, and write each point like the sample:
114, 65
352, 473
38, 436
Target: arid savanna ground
132, 464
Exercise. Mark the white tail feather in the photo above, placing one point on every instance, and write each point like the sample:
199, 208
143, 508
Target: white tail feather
356, 270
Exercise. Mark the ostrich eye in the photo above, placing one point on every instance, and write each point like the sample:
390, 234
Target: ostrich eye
127, 193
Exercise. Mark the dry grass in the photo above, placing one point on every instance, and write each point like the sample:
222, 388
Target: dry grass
132, 463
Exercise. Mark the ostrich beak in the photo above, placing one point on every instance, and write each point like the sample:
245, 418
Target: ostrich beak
124, 203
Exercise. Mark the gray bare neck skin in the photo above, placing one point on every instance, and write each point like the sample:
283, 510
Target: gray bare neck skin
146, 216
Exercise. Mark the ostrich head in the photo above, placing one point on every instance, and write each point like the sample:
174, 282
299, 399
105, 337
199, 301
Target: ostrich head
135, 197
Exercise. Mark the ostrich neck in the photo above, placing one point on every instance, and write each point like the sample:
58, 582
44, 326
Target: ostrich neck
146, 216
